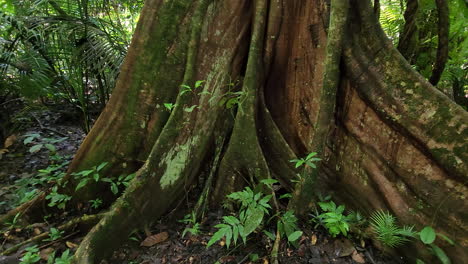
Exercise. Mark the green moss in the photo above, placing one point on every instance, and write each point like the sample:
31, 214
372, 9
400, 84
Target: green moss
175, 162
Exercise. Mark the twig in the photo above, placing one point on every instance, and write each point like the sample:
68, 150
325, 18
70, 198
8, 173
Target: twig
9, 101
85, 219
47, 128
368, 255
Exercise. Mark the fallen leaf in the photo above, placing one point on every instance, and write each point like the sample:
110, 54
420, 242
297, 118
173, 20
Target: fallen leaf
265, 261
10, 141
358, 257
155, 239
343, 248
313, 240
37, 231
45, 253
71, 244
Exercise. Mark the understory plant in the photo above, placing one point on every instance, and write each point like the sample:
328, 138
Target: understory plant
193, 226
252, 209
333, 218
390, 234
253, 206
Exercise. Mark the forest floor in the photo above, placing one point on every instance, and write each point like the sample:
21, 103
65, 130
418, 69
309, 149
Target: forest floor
28, 160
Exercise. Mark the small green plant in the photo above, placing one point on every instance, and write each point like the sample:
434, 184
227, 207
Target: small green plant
286, 223
231, 99
117, 184
193, 227
428, 236
390, 234
65, 258
307, 161
86, 175
253, 207
37, 142
13, 222
54, 234
333, 219
31, 256
169, 106
287, 226
57, 199
96, 203
186, 89
387, 231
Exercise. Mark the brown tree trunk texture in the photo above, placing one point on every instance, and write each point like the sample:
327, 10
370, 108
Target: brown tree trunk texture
443, 41
392, 142
408, 42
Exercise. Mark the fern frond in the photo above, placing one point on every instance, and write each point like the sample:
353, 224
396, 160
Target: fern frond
387, 231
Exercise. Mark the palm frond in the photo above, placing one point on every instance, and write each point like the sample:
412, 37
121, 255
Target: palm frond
387, 231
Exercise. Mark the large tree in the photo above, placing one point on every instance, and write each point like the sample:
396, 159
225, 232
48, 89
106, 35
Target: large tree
281, 79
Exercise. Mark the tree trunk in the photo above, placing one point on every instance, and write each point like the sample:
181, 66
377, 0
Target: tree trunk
392, 141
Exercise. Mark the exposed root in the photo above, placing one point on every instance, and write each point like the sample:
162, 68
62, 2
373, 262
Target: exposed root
244, 156
201, 205
275, 249
338, 21
85, 221
25, 210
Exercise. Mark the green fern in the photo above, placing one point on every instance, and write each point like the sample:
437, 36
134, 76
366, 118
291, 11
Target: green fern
388, 232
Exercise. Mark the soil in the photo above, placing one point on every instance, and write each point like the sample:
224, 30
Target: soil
17, 162
315, 247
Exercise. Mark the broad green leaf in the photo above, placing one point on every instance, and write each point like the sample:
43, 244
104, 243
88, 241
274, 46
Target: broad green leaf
35, 148
235, 233
299, 163
216, 236
418, 261
286, 195
50, 147
340, 209
254, 219
269, 181
81, 184
294, 236
242, 234
96, 177
114, 188
102, 165
446, 238
169, 106
427, 235
28, 140
269, 235
231, 220
311, 155
190, 109
228, 235
440, 254
198, 83
231, 102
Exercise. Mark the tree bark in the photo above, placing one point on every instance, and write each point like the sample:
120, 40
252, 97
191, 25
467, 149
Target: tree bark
407, 44
443, 41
